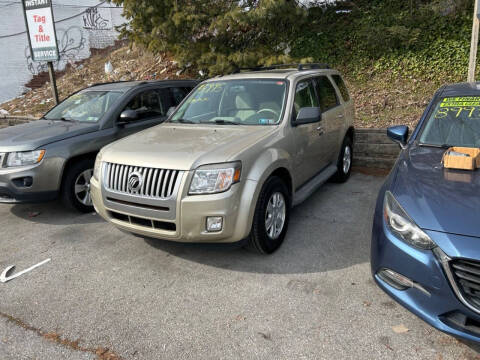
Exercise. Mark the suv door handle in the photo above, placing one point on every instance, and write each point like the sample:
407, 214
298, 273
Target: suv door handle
320, 130
340, 116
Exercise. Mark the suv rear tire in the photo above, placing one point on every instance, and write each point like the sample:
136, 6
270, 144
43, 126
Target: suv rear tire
76, 186
344, 163
272, 214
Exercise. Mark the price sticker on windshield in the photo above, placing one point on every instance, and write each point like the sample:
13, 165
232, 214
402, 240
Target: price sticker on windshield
466, 107
461, 101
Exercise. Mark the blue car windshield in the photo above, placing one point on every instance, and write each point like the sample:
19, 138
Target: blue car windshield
85, 106
239, 102
455, 121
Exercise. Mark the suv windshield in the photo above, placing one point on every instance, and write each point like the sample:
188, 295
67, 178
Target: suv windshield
85, 106
455, 121
241, 102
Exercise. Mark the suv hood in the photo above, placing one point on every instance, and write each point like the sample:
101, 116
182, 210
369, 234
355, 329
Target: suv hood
32, 135
436, 198
184, 147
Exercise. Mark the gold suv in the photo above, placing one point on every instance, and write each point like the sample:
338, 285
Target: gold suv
232, 159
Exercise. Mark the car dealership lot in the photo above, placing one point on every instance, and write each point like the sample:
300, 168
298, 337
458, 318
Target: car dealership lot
148, 299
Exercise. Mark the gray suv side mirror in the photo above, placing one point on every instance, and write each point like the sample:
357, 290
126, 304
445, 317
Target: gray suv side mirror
308, 115
398, 134
127, 116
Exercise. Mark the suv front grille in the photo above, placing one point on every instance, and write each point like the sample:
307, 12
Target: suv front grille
466, 274
156, 183
2, 158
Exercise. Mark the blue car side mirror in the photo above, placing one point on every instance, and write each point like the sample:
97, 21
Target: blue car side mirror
399, 134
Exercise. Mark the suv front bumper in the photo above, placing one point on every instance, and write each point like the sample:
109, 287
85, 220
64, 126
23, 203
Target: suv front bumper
189, 221
29, 184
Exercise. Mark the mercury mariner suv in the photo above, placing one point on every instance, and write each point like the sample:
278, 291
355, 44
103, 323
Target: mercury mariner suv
232, 159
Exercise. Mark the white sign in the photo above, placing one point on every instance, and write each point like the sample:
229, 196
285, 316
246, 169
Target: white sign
41, 29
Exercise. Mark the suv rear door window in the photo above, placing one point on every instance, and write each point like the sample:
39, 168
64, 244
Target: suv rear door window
342, 87
326, 93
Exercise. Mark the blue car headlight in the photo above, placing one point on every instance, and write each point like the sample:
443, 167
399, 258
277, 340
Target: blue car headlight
402, 226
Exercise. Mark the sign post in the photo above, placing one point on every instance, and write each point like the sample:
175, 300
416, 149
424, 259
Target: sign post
41, 35
474, 43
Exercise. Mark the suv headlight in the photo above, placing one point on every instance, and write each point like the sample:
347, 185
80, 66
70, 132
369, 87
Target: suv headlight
97, 167
216, 178
25, 158
403, 226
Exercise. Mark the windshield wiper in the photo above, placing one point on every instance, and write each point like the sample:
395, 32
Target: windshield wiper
183, 121
442, 146
224, 122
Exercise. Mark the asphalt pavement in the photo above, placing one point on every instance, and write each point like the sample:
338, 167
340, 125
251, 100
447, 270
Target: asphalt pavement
106, 294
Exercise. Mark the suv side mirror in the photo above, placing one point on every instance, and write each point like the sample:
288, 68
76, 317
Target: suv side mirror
127, 116
398, 134
171, 110
308, 115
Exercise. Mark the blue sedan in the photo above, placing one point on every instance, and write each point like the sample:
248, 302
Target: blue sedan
426, 231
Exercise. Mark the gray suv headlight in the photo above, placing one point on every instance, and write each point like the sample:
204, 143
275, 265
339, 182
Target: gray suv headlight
401, 225
25, 158
216, 178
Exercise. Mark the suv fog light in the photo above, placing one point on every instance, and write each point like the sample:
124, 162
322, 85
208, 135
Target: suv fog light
214, 223
398, 281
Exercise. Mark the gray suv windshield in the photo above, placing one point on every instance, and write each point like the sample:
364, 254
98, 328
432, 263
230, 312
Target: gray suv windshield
240, 102
85, 106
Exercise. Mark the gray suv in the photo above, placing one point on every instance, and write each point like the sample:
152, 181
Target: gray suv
54, 156
232, 160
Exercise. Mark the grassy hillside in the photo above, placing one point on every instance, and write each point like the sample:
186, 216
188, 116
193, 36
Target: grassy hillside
394, 54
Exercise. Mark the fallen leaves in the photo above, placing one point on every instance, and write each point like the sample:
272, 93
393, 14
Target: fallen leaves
400, 329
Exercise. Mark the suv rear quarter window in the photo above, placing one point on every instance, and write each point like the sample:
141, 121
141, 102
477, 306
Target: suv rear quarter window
326, 93
342, 87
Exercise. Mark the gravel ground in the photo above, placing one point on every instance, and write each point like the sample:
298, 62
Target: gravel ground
149, 299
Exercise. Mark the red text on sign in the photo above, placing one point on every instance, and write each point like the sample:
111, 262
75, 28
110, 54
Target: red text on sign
42, 38
39, 19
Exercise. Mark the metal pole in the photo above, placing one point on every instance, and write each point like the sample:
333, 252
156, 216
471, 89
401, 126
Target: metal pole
473, 45
53, 82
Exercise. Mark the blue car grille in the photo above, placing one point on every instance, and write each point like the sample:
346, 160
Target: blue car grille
467, 276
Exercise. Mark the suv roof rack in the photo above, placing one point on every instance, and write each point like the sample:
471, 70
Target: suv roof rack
300, 67
140, 82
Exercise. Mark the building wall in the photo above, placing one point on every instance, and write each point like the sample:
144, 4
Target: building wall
80, 28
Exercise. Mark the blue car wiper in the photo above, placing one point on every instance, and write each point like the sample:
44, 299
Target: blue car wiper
440, 146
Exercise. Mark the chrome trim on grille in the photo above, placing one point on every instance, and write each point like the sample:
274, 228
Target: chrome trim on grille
445, 262
2, 159
156, 183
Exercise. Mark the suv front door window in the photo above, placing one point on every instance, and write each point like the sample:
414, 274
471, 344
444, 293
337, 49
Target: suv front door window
309, 142
150, 108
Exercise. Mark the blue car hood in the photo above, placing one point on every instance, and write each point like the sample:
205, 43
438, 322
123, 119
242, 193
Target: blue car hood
32, 135
437, 199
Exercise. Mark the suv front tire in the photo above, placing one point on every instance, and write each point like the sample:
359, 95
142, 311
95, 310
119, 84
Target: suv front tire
272, 214
76, 186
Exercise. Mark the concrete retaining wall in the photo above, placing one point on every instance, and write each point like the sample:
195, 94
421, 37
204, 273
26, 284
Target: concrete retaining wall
374, 149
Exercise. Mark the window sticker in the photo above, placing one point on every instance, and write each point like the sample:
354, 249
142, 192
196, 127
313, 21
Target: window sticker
461, 101
211, 88
465, 107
